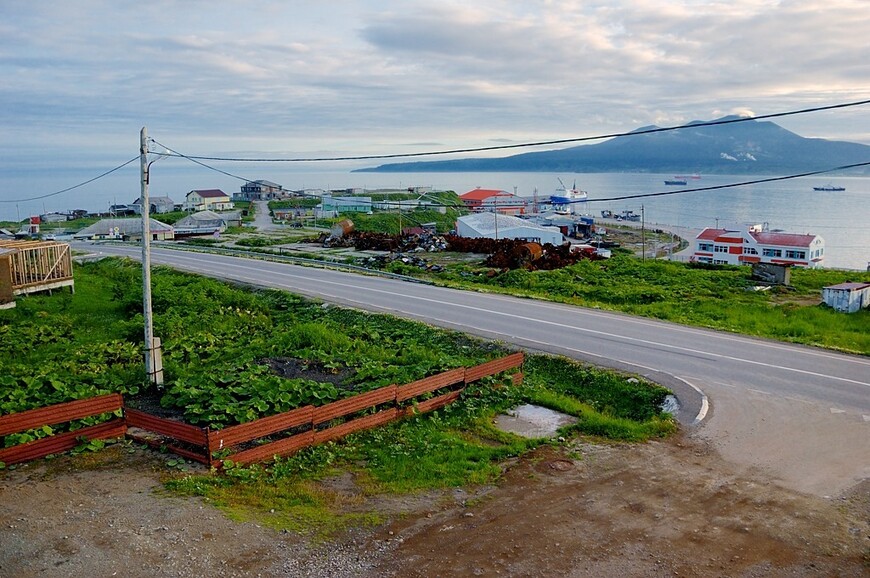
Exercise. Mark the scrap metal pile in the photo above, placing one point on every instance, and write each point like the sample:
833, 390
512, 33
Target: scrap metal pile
518, 254
502, 254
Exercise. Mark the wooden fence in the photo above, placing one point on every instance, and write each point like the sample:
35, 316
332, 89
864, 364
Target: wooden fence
302, 427
58, 414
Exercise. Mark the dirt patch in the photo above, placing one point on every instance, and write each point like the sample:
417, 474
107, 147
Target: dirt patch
665, 508
291, 367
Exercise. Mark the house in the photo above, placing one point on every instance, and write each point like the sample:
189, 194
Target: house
494, 200
157, 205
123, 210
847, 297
126, 229
499, 226
53, 218
200, 223
259, 191
207, 200
339, 205
755, 245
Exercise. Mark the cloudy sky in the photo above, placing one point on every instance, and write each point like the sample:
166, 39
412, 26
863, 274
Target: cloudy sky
344, 77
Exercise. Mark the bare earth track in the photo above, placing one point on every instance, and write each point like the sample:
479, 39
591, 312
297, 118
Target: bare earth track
665, 508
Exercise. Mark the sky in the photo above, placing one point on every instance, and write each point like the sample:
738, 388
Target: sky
344, 78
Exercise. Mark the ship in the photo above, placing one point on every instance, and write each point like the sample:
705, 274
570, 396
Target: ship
676, 182
829, 188
564, 199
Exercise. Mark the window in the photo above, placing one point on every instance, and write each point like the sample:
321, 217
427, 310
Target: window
705, 260
719, 262
749, 251
796, 254
772, 252
721, 249
708, 247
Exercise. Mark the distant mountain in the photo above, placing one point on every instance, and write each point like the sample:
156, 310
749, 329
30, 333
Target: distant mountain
739, 148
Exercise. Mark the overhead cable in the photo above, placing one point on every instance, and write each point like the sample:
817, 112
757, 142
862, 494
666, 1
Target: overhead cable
83, 183
530, 144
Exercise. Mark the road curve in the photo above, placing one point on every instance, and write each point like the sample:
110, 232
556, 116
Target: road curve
799, 414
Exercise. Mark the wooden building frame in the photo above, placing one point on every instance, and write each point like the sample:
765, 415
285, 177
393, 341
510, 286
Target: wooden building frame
36, 266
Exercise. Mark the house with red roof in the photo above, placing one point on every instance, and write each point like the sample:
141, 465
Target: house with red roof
494, 200
756, 245
207, 200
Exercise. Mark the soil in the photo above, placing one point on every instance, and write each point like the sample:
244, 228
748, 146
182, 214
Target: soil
582, 508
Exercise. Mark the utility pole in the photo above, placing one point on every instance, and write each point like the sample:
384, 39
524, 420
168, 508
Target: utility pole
642, 234
153, 358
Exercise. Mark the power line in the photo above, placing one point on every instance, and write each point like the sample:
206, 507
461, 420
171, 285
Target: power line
529, 144
196, 160
83, 183
726, 186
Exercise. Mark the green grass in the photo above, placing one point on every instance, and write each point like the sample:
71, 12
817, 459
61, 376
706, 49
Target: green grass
61, 347
714, 297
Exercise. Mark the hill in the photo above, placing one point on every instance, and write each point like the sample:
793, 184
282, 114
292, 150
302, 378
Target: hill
750, 147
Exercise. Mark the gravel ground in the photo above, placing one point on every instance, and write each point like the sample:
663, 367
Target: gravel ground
666, 508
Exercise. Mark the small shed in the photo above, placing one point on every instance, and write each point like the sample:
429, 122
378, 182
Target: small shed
847, 297
33, 266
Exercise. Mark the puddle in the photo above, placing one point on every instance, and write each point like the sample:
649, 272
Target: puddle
533, 421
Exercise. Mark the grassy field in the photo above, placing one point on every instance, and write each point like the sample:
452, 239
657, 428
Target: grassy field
719, 297
218, 340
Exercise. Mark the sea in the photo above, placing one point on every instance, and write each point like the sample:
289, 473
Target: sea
842, 218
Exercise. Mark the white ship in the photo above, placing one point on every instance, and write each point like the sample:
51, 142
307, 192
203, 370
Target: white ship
565, 199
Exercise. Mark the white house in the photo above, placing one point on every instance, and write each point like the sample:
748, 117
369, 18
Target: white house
499, 226
207, 200
847, 297
754, 245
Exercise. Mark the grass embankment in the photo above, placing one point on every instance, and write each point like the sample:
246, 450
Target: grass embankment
715, 297
216, 338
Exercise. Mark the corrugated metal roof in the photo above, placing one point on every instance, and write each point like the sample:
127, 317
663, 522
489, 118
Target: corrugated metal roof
481, 194
783, 239
125, 227
486, 223
710, 234
210, 193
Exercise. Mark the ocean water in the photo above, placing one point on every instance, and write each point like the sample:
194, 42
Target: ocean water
841, 218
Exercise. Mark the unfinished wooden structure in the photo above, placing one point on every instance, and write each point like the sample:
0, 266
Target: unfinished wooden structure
33, 266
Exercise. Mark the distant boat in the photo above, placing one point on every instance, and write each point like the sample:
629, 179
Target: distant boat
829, 188
686, 177
564, 198
676, 182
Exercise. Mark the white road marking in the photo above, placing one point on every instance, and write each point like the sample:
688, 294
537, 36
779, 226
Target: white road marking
836, 410
759, 391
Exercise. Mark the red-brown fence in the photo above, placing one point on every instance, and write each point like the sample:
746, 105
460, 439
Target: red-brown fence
304, 426
58, 414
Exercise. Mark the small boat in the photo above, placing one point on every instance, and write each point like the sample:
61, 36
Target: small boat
829, 188
694, 176
676, 182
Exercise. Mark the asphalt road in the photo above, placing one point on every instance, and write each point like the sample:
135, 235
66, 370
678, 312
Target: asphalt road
798, 414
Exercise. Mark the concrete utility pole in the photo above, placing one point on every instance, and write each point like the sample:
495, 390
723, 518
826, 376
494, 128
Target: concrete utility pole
642, 234
153, 358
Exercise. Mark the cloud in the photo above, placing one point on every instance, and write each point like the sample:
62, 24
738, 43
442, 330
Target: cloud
361, 74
